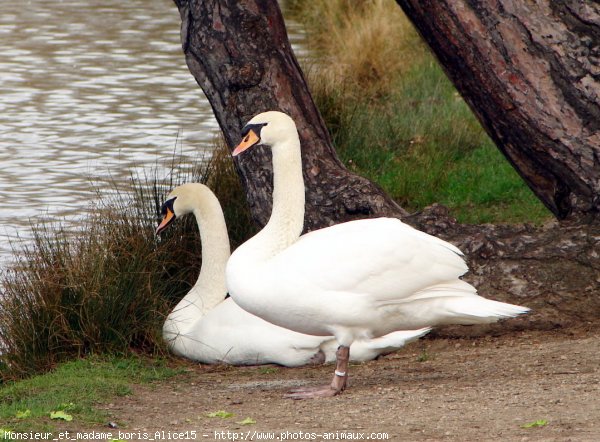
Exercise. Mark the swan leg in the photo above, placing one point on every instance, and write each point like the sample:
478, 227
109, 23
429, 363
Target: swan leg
340, 375
338, 384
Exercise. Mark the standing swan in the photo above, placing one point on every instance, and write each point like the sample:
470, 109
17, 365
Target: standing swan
355, 280
208, 328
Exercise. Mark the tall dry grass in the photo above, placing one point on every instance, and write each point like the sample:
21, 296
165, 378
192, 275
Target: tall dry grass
362, 45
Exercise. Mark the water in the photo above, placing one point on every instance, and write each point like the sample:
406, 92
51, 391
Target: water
90, 90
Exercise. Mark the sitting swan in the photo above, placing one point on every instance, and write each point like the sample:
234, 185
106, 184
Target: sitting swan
208, 328
355, 280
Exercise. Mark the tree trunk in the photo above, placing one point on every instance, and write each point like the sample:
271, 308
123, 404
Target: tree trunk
529, 70
239, 53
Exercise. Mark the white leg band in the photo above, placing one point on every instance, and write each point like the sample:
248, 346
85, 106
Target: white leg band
340, 373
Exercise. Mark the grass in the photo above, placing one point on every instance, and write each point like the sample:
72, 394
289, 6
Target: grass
108, 288
396, 119
75, 387
361, 45
423, 356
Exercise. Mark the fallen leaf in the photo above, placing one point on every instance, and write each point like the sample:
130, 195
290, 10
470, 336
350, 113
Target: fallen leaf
23, 414
247, 421
538, 423
222, 414
61, 415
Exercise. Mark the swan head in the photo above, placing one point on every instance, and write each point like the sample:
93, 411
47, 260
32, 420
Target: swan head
268, 128
181, 201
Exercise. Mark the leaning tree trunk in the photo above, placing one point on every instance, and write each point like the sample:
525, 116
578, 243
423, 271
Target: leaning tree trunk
239, 53
530, 71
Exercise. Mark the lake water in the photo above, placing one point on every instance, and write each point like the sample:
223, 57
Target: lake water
90, 90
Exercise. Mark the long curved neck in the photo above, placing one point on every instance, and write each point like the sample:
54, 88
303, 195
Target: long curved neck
287, 218
211, 285
210, 288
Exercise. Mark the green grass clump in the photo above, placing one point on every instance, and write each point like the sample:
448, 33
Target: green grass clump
75, 387
103, 289
396, 119
108, 287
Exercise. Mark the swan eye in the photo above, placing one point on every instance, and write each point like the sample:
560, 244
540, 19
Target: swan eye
256, 128
167, 205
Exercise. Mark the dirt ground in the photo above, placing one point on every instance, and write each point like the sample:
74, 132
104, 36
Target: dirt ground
485, 388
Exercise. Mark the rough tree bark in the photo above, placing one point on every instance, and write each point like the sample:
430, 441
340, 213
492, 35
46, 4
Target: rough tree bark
530, 71
239, 53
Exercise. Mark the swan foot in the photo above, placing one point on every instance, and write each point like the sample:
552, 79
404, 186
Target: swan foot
338, 384
312, 393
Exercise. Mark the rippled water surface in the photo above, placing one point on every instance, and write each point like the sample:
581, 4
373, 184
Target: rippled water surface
89, 90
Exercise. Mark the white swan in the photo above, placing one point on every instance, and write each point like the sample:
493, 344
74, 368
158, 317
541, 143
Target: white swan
356, 280
206, 327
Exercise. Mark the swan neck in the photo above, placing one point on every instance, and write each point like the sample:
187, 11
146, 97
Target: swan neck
287, 218
215, 253
210, 288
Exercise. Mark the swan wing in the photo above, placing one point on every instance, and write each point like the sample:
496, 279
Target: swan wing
383, 258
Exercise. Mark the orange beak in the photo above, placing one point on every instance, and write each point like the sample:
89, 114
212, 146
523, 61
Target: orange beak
249, 140
168, 218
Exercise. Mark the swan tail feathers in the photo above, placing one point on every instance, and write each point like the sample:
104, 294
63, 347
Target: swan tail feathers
454, 288
478, 310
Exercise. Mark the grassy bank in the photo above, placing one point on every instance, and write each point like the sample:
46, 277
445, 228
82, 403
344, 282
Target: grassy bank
396, 119
72, 392
107, 288
81, 307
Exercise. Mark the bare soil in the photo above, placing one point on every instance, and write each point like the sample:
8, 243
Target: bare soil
455, 389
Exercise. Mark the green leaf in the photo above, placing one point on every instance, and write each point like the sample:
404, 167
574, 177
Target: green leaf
23, 414
538, 423
247, 421
61, 415
222, 414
